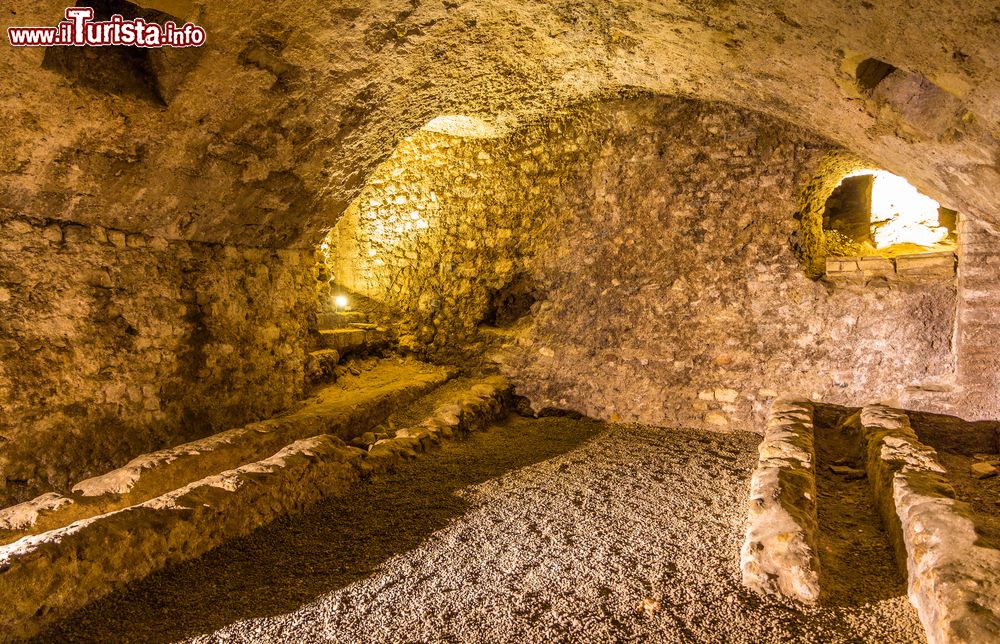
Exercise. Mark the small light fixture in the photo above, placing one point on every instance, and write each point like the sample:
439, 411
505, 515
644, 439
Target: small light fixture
340, 301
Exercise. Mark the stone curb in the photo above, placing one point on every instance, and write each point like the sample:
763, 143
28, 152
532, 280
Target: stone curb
150, 475
475, 410
952, 582
45, 577
779, 551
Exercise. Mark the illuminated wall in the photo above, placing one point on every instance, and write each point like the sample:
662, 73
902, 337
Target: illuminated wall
445, 222
854, 210
113, 344
659, 234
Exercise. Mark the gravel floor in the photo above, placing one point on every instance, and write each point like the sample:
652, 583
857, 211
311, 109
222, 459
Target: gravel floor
545, 529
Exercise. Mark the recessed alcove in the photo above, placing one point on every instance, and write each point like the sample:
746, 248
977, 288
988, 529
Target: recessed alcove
860, 222
149, 74
872, 71
876, 213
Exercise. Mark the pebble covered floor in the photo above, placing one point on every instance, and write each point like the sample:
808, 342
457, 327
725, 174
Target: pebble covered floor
548, 529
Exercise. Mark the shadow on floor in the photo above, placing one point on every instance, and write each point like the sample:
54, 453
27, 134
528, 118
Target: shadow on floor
855, 554
294, 560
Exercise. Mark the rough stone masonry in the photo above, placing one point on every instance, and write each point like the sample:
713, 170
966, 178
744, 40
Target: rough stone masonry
666, 285
617, 207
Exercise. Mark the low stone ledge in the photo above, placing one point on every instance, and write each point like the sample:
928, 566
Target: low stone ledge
475, 410
150, 475
952, 582
919, 266
779, 551
46, 576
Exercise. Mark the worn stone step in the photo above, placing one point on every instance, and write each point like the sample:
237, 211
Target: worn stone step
344, 410
339, 319
46, 576
352, 339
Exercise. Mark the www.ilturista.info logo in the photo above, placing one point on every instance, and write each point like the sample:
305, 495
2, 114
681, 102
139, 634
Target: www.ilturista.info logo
80, 30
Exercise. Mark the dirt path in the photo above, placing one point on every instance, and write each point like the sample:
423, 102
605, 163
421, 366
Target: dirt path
857, 562
527, 532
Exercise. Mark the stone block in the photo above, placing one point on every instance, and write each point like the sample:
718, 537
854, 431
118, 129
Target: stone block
841, 266
726, 395
320, 364
859, 269
927, 265
117, 238
342, 340
952, 576
716, 419
779, 551
74, 234
876, 267
983, 470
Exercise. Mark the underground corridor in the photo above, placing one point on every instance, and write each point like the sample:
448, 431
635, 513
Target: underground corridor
464, 321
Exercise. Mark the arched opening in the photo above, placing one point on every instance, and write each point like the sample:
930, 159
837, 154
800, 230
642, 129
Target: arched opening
857, 220
878, 213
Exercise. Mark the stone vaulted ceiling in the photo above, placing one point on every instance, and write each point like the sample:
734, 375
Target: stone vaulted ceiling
270, 131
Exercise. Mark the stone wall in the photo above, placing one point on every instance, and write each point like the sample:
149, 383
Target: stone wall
269, 133
978, 334
658, 237
113, 344
448, 221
